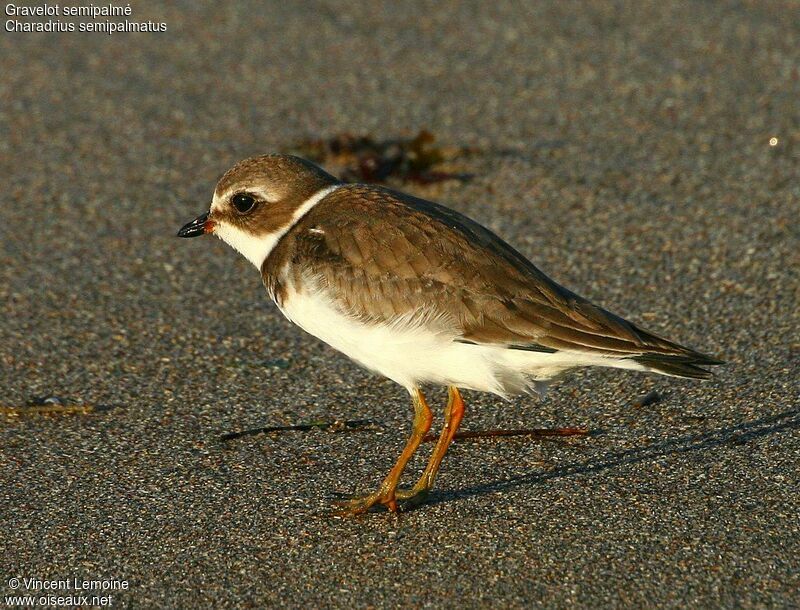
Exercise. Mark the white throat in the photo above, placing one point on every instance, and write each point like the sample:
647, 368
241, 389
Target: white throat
257, 249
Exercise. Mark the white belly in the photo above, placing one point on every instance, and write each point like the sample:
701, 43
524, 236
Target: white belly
415, 351
407, 354
412, 353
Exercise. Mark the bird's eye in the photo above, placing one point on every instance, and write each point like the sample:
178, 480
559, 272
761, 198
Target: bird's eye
243, 202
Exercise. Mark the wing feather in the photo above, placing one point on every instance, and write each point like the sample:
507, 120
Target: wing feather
385, 256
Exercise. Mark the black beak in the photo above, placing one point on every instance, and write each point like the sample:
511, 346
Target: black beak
194, 228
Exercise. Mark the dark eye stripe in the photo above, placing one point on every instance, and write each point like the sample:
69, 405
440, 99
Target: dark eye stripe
243, 202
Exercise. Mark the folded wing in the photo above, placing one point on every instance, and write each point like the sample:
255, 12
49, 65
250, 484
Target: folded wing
390, 258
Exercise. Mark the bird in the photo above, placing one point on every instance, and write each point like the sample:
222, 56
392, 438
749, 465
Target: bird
420, 294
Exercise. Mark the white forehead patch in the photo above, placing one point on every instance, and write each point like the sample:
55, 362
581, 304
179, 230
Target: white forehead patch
256, 249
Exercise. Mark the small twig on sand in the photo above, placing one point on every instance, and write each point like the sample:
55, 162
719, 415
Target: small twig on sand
531, 432
360, 424
351, 424
50, 409
51, 405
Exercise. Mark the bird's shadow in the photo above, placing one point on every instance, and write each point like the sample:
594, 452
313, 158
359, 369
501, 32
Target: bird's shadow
737, 434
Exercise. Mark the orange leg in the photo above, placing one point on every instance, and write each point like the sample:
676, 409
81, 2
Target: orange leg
453, 413
386, 492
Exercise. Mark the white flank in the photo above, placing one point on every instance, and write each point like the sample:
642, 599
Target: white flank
256, 249
413, 351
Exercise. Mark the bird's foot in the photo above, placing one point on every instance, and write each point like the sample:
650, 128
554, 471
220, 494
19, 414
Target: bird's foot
361, 504
412, 497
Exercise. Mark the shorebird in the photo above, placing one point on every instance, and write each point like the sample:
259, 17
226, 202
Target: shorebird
418, 293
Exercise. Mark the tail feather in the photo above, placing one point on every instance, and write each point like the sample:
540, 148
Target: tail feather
688, 364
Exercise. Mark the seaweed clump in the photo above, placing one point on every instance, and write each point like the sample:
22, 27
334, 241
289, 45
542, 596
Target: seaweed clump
362, 158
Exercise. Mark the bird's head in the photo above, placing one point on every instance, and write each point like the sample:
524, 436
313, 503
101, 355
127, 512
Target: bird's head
258, 200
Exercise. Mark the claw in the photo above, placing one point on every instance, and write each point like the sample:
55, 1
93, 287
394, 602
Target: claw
361, 504
411, 493
413, 497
